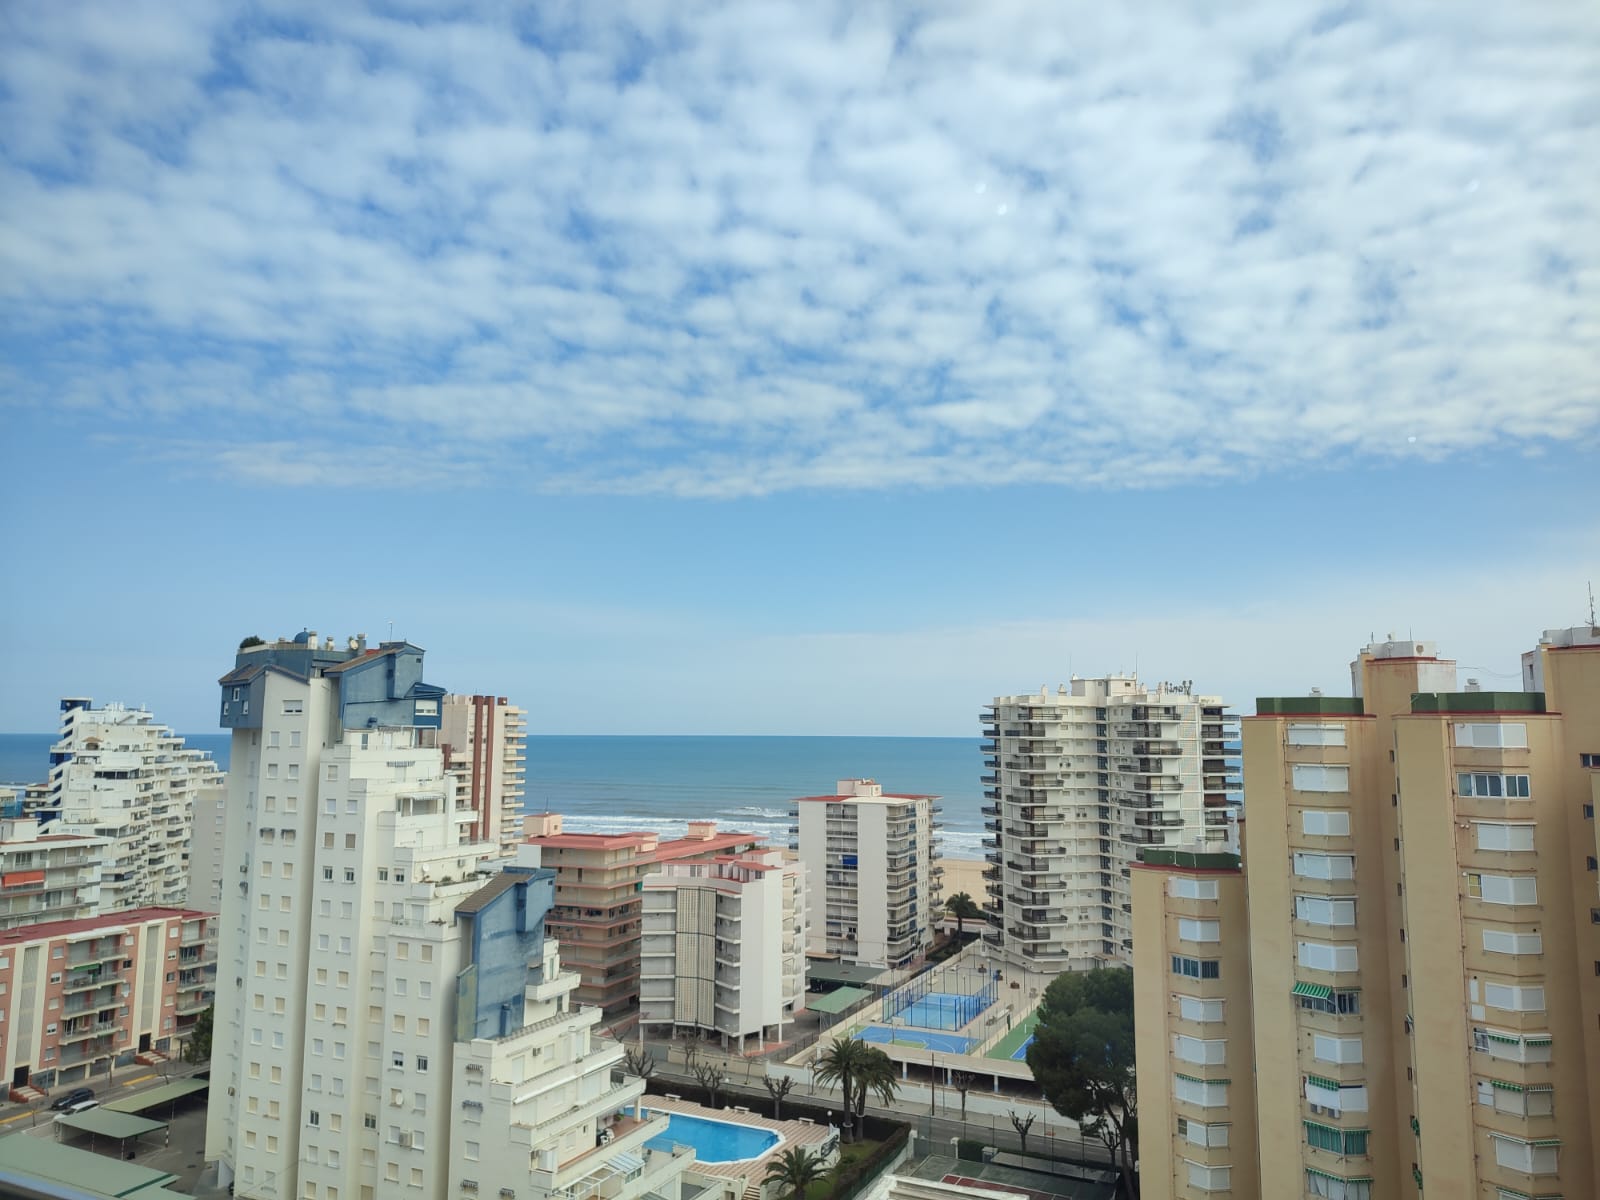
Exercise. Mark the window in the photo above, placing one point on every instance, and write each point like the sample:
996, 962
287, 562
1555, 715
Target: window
1192, 889
1208, 1179
1194, 968
1345, 1003
1207, 1093
1335, 1140
1537, 1157
1320, 956
1516, 1099
1504, 941
1196, 1050
1310, 777
1325, 822
1336, 1050
422, 1062
1502, 889
1512, 735
1496, 1043
1492, 786
293, 707
1316, 735
369, 1121
1201, 1134
1497, 835
1334, 1096
1325, 910
1199, 931
1310, 865
1191, 1008
1589, 760
313, 1117
1513, 999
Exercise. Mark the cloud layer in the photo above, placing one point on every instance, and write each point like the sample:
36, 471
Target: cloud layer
731, 249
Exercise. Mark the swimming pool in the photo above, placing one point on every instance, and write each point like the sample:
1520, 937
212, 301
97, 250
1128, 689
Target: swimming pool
714, 1141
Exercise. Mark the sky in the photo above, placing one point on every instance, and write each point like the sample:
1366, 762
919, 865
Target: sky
793, 367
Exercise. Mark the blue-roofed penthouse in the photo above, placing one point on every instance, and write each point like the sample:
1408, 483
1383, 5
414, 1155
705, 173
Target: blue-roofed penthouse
503, 936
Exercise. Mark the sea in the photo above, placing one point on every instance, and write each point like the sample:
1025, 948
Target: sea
607, 783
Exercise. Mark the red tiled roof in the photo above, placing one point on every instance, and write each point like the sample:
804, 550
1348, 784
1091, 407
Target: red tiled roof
588, 841
49, 930
358, 660
685, 847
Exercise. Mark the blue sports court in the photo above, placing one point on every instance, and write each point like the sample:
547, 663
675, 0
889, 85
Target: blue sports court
922, 1005
945, 1043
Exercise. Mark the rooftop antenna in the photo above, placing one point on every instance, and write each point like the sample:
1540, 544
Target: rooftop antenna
391, 629
1591, 605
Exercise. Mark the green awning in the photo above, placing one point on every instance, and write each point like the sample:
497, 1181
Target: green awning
1331, 1085
1503, 1038
1197, 1079
1504, 1086
165, 1094
1323, 1128
838, 1000
1535, 1041
1316, 991
1340, 1178
1545, 1142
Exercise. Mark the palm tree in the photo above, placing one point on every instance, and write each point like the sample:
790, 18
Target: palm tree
796, 1169
839, 1064
875, 1076
963, 908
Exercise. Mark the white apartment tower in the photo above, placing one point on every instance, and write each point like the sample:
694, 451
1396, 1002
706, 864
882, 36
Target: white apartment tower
116, 774
873, 873
723, 947
1079, 781
485, 739
45, 875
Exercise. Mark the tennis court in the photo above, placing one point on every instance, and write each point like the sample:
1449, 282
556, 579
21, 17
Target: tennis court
927, 1039
945, 998
1014, 1045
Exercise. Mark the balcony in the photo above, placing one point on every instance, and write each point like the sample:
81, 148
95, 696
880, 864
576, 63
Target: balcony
85, 1032
89, 980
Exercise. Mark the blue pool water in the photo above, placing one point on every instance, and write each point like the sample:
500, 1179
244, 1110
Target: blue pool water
714, 1141
944, 1043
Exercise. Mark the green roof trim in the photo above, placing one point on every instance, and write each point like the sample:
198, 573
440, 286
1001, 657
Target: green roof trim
1153, 857
1340, 1178
1477, 702
837, 1000
1317, 991
1309, 706
167, 1093
1505, 1086
1331, 1085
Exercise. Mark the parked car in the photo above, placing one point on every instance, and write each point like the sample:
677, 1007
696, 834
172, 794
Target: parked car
68, 1099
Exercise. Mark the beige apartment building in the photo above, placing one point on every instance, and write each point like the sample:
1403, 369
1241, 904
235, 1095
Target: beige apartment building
485, 744
1196, 1074
1423, 942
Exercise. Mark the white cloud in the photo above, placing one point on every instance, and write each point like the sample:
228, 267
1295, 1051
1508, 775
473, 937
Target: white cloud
724, 250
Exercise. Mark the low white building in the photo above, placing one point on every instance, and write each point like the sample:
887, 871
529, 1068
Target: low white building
723, 946
117, 774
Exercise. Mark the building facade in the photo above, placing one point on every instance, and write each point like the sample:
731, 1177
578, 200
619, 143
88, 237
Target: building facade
485, 743
45, 875
1079, 781
873, 872
1425, 954
723, 947
1197, 1096
598, 900
82, 997
117, 774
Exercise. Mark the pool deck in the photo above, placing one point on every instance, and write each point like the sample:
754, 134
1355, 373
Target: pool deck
794, 1133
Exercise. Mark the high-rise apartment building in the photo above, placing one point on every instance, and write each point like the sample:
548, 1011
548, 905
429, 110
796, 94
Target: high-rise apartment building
47, 875
723, 947
85, 995
485, 742
1196, 1075
115, 773
1424, 949
873, 872
1079, 780
598, 899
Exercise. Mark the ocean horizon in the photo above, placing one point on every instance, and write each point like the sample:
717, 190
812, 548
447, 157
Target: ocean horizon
615, 782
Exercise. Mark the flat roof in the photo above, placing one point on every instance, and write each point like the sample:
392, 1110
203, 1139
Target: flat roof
165, 1094
110, 1124
823, 970
837, 1000
25, 1158
116, 922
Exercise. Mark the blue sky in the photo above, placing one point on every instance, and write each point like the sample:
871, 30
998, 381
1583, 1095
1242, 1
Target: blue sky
792, 367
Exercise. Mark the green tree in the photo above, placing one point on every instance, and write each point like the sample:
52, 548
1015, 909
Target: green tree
795, 1170
963, 908
252, 640
839, 1064
198, 1048
1082, 1058
876, 1076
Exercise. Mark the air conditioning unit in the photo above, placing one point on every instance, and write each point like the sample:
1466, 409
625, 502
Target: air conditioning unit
405, 1141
